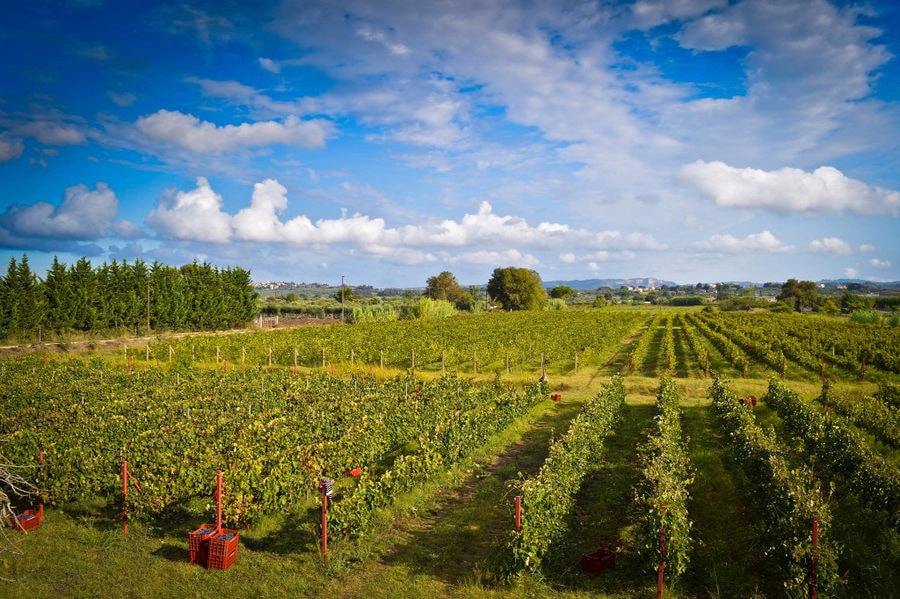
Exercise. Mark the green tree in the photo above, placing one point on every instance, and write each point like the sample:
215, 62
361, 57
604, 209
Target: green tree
517, 289
444, 287
59, 292
799, 295
563, 292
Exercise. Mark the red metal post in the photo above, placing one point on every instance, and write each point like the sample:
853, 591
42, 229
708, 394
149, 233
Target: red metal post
124, 494
218, 500
518, 513
814, 567
324, 522
662, 563
41, 503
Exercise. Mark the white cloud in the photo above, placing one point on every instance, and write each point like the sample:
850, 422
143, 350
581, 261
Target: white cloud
789, 190
269, 65
567, 258
10, 147
371, 34
880, 263
84, 214
189, 132
52, 133
867, 248
755, 242
831, 245
194, 215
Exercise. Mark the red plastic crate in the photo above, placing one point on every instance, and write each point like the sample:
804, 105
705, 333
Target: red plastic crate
28, 520
223, 550
598, 561
199, 541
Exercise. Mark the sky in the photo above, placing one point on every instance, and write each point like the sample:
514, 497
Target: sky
386, 142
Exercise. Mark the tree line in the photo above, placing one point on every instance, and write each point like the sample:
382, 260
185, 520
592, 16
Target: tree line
122, 296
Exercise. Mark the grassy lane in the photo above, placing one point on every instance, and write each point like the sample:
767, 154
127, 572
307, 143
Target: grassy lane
604, 514
726, 562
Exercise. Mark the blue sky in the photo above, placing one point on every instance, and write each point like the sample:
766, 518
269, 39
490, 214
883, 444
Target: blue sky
386, 142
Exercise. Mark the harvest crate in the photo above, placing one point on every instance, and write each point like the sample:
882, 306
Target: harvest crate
223, 550
598, 561
27, 520
199, 543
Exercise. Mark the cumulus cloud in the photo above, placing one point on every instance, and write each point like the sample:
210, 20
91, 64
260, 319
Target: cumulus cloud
189, 132
831, 245
52, 133
790, 190
755, 242
10, 148
83, 215
483, 237
880, 263
194, 215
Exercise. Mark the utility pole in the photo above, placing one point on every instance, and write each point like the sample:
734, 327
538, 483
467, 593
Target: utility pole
342, 298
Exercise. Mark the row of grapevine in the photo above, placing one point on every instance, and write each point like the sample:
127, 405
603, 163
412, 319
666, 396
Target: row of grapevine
788, 498
662, 492
272, 434
754, 346
838, 453
490, 410
641, 350
874, 413
548, 497
728, 348
487, 342
695, 342
667, 344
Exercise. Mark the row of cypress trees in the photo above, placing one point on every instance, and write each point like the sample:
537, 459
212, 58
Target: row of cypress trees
122, 296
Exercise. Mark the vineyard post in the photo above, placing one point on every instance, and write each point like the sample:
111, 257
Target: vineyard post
324, 521
813, 582
662, 557
518, 513
443, 363
352, 358
217, 354
295, 358
124, 494
270, 355
323, 357
822, 370
662, 563
148, 352
474, 362
243, 355
380, 358
218, 500
171, 351
744, 368
412, 361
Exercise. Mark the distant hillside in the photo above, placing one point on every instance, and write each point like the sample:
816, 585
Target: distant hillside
613, 283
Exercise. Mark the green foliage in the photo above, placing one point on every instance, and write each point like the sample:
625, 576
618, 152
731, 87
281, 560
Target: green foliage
373, 313
562, 292
446, 288
547, 498
787, 498
662, 492
838, 452
427, 308
866, 317
556, 304
599, 302
517, 289
799, 295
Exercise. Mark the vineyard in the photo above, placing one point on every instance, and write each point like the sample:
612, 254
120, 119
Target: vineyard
705, 453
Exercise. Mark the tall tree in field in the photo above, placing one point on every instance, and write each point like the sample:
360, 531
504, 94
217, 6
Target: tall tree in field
24, 299
444, 287
58, 291
799, 294
517, 289
84, 305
